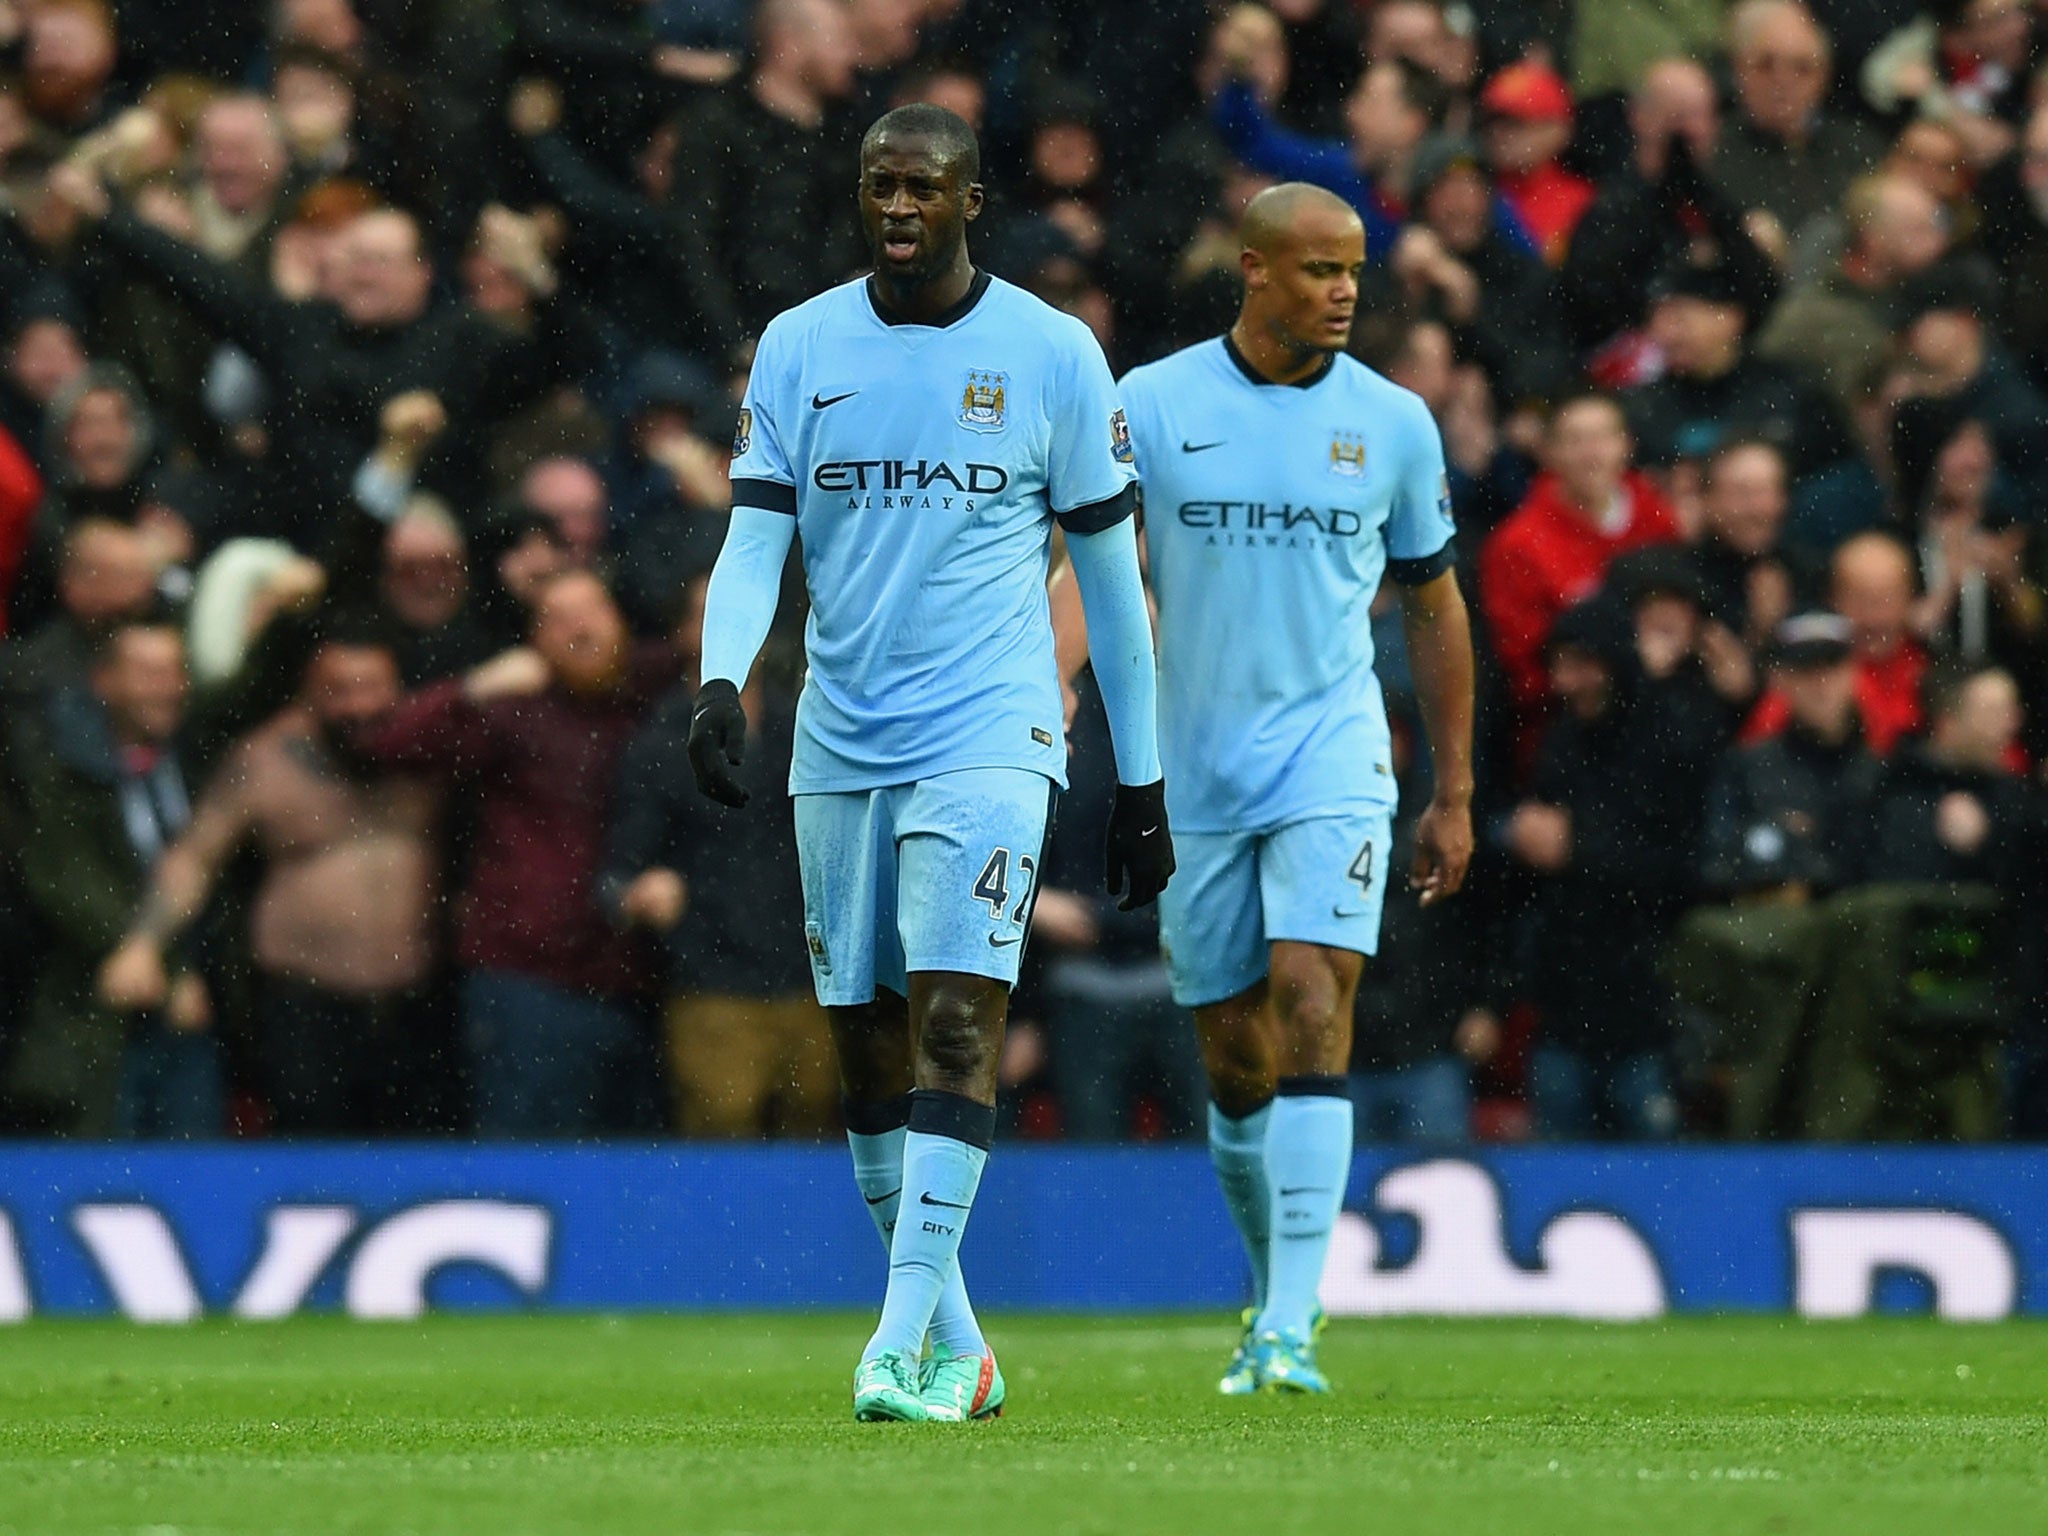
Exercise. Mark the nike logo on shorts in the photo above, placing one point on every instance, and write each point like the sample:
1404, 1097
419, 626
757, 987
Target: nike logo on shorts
997, 941
1305, 1189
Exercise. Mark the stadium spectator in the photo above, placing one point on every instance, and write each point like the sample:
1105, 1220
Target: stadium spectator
1752, 583
1653, 214
1395, 104
1585, 508
1460, 262
535, 735
1837, 327
1526, 122
1980, 599
749, 1051
106, 795
1609, 829
1786, 826
104, 575
1953, 807
762, 169
1961, 63
334, 365
1713, 388
2015, 238
342, 928
1872, 584
1783, 152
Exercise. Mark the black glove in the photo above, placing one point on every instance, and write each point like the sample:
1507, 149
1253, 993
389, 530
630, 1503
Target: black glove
1139, 853
718, 742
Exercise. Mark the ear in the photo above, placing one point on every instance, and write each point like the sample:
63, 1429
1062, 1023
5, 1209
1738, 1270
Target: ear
973, 201
1253, 265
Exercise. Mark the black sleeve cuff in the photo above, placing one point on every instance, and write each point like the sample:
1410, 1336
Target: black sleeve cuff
1098, 515
1415, 573
768, 495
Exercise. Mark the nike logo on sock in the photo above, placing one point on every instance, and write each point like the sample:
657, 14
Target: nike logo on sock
819, 402
954, 1205
1188, 447
878, 1199
1306, 1189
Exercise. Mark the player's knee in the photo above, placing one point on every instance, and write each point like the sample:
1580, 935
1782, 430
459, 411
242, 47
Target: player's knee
957, 1040
1307, 998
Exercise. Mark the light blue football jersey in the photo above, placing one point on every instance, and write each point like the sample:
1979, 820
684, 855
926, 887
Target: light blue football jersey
924, 465
1271, 513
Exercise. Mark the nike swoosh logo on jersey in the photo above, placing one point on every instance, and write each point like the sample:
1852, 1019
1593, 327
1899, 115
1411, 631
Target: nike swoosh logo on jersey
819, 402
999, 942
1188, 447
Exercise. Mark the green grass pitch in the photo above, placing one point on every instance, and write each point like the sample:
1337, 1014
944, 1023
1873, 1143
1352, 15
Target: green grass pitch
714, 1425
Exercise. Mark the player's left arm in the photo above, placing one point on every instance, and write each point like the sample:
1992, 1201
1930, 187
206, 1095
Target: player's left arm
1440, 657
1095, 500
1420, 559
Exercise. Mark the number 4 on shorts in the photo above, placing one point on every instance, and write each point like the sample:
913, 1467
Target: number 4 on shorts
993, 883
1361, 868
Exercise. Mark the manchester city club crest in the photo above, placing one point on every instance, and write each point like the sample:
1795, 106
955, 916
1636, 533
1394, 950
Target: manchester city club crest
982, 403
1347, 455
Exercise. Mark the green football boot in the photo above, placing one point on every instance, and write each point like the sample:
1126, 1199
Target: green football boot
885, 1389
1286, 1362
958, 1388
1241, 1377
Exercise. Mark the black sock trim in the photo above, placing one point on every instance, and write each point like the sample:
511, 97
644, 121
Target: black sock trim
934, 1112
1315, 1085
877, 1117
1228, 1113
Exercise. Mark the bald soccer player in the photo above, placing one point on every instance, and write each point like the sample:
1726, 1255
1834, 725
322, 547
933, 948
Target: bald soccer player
1281, 479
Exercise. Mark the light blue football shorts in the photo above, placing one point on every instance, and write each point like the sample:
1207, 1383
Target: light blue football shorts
938, 875
1321, 880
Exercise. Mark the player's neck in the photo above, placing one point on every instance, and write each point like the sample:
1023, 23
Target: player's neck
1273, 362
923, 303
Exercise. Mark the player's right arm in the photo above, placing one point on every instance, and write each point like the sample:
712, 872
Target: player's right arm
739, 605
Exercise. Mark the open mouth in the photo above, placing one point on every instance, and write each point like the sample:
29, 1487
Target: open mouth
900, 244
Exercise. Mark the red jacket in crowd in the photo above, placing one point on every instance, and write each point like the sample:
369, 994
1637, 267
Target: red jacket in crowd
1887, 700
539, 769
1544, 557
21, 492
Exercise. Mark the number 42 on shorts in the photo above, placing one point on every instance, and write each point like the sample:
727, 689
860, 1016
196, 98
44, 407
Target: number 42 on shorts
992, 885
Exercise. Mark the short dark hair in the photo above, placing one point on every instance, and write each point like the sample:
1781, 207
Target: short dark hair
951, 139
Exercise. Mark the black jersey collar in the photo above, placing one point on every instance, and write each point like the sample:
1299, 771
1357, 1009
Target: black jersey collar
1244, 367
958, 312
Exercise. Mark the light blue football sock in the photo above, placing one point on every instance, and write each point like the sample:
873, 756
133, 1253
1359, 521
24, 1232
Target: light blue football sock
1237, 1149
1308, 1162
944, 1151
878, 1171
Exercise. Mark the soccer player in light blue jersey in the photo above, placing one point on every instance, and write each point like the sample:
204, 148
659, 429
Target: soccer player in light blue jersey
1282, 479
923, 429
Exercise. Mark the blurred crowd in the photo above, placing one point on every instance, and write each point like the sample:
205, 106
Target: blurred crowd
367, 370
